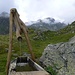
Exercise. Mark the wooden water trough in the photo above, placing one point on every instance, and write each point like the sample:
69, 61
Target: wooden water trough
25, 66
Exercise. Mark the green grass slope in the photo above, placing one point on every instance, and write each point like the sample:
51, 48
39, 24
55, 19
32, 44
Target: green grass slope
39, 40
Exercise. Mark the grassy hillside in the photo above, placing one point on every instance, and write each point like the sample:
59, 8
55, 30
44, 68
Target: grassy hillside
68, 29
39, 41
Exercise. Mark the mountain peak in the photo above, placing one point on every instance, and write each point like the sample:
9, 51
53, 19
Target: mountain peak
50, 19
4, 14
47, 24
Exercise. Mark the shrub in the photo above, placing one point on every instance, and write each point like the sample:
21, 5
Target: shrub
51, 70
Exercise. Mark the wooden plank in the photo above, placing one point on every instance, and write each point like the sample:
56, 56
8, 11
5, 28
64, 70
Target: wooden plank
31, 73
34, 64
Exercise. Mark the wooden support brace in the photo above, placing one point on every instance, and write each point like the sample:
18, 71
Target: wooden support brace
27, 39
10, 42
14, 19
18, 29
24, 29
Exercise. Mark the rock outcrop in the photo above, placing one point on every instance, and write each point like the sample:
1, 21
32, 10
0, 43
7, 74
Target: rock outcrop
61, 57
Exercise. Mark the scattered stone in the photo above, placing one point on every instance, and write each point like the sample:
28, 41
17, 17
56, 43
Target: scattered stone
26, 55
15, 55
6, 49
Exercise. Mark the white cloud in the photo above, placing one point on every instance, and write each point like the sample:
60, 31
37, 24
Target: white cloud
34, 9
6, 5
31, 10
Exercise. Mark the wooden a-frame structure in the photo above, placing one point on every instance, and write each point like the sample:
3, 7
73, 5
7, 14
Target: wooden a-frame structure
20, 27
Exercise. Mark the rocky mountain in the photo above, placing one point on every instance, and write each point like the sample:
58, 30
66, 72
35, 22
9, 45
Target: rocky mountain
4, 23
60, 57
46, 24
4, 14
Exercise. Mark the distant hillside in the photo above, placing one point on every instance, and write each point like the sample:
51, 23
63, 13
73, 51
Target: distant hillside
46, 24
43, 25
68, 29
4, 23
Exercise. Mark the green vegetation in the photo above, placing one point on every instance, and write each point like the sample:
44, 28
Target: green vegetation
51, 70
39, 41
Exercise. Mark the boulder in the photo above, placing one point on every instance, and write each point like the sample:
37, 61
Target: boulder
61, 57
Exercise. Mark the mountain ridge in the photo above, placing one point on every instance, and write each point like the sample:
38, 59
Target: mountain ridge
46, 24
4, 14
41, 24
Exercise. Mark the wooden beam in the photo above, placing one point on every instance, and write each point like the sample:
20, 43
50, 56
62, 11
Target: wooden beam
10, 42
27, 40
18, 29
24, 29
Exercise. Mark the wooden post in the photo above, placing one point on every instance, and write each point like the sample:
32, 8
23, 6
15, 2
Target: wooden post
27, 39
18, 29
10, 43
23, 27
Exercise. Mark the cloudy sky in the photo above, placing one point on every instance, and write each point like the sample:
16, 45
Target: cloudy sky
31, 10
